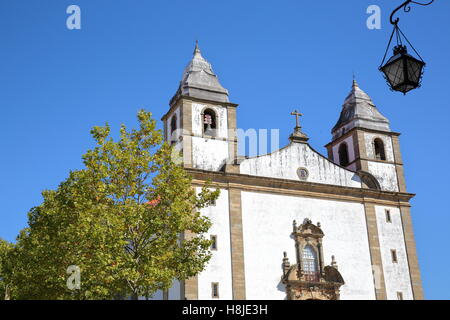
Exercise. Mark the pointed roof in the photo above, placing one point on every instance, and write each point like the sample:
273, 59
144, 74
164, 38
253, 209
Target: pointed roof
359, 110
200, 81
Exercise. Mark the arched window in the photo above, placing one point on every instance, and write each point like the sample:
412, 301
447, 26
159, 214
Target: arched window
309, 263
343, 154
173, 124
378, 147
209, 123
173, 128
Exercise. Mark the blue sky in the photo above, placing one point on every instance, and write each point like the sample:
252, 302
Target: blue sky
272, 56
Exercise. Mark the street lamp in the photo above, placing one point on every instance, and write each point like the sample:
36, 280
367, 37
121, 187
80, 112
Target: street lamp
403, 72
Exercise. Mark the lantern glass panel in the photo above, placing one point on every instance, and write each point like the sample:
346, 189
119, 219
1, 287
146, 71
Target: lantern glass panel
414, 70
394, 72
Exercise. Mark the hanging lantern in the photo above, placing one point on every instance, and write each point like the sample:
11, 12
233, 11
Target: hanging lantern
403, 72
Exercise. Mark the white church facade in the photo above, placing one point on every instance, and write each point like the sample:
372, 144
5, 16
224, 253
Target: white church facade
295, 224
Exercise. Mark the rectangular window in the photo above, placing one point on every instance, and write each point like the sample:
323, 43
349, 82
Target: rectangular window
399, 295
388, 216
394, 256
214, 243
215, 290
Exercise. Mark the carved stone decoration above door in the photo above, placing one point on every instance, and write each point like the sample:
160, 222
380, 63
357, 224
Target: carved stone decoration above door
309, 278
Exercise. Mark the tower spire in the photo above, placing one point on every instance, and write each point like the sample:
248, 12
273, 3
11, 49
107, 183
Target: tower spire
359, 110
200, 81
197, 49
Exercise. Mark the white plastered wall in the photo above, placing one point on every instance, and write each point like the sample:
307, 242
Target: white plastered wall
391, 237
267, 227
209, 154
284, 163
219, 267
386, 175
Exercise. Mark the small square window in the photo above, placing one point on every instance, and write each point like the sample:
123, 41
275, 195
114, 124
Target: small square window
388, 216
394, 256
214, 243
399, 295
215, 290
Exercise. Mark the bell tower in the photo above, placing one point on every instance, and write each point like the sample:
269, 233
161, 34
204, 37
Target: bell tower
201, 121
364, 142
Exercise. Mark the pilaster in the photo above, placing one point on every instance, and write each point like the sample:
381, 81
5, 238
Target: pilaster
375, 251
237, 245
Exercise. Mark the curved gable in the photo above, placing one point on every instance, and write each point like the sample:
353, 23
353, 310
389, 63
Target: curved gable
285, 162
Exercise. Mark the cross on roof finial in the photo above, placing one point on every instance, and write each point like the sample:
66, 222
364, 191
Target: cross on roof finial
298, 135
296, 114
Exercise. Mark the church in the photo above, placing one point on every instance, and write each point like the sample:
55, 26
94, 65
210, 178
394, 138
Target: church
295, 224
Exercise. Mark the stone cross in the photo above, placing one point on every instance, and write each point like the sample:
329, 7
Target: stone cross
296, 114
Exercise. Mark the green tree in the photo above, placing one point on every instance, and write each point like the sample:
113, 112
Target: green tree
120, 220
5, 248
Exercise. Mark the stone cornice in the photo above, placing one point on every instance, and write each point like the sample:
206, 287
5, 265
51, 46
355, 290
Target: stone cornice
350, 132
228, 104
299, 188
174, 104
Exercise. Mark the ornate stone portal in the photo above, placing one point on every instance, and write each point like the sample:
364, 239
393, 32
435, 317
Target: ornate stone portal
309, 279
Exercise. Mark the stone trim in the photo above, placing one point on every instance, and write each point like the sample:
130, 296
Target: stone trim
356, 148
346, 134
189, 99
206, 101
330, 153
186, 118
410, 245
301, 188
324, 196
362, 152
189, 288
213, 238
398, 164
396, 148
400, 178
375, 251
212, 290
237, 244
233, 141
